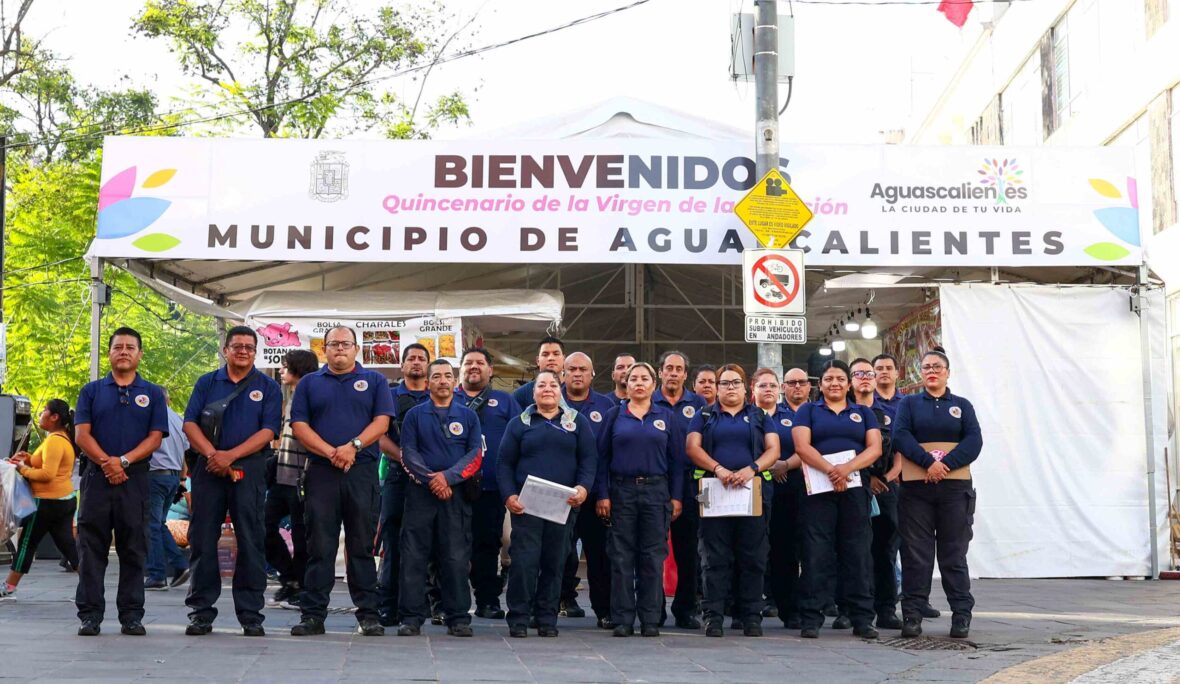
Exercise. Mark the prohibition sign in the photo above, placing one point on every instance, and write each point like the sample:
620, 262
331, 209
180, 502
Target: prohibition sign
762, 269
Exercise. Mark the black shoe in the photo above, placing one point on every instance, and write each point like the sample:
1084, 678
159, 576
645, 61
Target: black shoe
809, 633
491, 612
155, 585
253, 631
370, 627
388, 620
688, 622
889, 621
649, 630
770, 612
547, 631
842, 622
929, 612
409, 630
198, 627
460, 631
831, 611
623, 631
865, 632
606, 623
518, 631
181, 579
793, 622
285, 593
911, 627
309, 626
736, 624
133, 628
960, 626
571, 609
437, 619
89, 628
713, 629
752, 630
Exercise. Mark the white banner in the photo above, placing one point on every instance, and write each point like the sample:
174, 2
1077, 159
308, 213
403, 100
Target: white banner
381, 341
608, 201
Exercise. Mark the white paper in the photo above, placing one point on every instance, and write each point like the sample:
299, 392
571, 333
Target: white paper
546, 500
719, 501
818, 482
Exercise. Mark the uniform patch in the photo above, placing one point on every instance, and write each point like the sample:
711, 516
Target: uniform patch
569, 424
855, 417
785, 422
256, 395
596, 416
746, 418
456, 428
688, 411
888, 420
143, 400
955, 412
360, 385
659, 424
493, 402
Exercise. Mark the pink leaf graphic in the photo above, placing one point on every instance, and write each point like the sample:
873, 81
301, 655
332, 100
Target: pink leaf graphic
1133, 192
117, 188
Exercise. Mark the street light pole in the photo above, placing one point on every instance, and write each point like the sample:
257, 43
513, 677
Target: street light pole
766, 125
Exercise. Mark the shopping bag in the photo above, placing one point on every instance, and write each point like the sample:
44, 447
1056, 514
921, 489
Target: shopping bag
16, 500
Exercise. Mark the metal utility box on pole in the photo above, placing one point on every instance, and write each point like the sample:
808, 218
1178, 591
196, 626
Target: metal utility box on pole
766, 45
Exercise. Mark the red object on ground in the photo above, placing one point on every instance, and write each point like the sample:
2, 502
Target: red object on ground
956, 11
670, 574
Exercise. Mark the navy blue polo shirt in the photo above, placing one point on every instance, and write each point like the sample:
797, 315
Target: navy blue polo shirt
595, 407
452, 446
258, 407
735, 442
524, 394
889, 406
686, 409
494, 417
634, 447
783, 420
831, 432
549, 448
338, 408
418, 396
121, 417
950, 418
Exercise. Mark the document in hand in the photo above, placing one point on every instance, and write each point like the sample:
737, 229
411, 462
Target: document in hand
546, 500
817, 481
719, 501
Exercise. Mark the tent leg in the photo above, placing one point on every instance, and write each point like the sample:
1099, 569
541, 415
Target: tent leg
97, 300
1140, 301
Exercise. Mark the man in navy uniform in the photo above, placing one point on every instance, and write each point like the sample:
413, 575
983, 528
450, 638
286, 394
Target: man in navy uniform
121, 419
338, 413
550, 357
229, 476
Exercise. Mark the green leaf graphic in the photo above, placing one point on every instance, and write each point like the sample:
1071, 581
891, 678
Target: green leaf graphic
1105, 251
162, 242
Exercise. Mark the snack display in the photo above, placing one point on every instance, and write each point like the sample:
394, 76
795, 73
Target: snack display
381, 348
446, 346
428, 342
317, 346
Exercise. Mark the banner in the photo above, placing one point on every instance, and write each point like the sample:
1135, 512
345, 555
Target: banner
608, 201
381, 341
913, 336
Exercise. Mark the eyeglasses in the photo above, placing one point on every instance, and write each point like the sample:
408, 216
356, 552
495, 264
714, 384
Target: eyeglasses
796, 383
239, 348
864, 374
726, 384
933, 367
124, 395
766, 386
340, 345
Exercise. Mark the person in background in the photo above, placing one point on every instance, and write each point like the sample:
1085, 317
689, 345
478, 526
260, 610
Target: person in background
786, 540
618, 375
704, 383
163, 553
48, 470
550, 357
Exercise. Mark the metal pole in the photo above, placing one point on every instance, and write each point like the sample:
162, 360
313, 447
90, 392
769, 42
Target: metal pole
1148, 410
3, 214
97, 290
766, 124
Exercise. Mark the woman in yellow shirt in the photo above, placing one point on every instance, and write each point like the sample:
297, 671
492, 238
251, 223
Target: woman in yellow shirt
48, 470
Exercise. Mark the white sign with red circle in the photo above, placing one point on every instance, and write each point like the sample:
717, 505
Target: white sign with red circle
772, 281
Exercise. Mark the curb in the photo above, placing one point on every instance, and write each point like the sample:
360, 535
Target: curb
1068, 665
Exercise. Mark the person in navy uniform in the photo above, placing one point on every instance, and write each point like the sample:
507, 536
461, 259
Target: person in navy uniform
735, 443
938, 437
229, 476
495, 410
576, 391
640, 488
618, 376
836, 529
338, 413
550, 357
406, 395
442, 448
684, 405
120, 420
554, 444
704, 383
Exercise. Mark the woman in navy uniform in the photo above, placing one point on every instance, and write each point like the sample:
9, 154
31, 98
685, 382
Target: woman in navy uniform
938, 437
836, 531
736, 443
640, 482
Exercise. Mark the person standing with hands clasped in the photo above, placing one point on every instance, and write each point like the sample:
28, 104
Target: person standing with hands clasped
338, 413
233, 414
938, 437
836, 531
640, 485
557, 445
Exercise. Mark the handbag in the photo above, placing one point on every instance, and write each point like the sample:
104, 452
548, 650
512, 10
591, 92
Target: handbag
212, 416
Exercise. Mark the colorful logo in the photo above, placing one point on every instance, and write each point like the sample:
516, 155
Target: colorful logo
256, 395
279, 335
360, 385
121, 215
1122, 222
855, 417
143, 401
1000, 174
659, 424
456, 428
596, 416
955, 412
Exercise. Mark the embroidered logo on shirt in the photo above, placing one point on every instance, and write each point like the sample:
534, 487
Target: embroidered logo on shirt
360, 385
786, 422
568, 423
596, 416
888, 420
143, 400
456, 428
256, 395
746, 418
688, 411
659, 424
955, 412
493, 402
855, 417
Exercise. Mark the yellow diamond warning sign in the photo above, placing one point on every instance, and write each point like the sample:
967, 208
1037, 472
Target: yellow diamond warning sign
772, 211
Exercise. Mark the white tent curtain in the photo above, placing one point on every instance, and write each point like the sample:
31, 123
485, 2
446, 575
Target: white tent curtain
1056, 380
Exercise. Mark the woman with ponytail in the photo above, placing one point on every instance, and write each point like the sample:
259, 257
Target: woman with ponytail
48, 470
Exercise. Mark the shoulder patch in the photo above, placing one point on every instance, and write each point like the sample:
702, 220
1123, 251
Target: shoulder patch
456, 428
955, 412
855, 417
143, 401
256, 395
360, 385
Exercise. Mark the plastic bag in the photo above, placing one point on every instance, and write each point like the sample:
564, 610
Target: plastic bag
16, 501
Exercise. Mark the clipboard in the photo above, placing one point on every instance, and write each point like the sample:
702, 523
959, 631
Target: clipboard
718, 501
911, 471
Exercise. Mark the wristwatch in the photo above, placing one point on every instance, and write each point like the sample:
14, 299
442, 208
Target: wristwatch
124, 462
754, 467
357, 443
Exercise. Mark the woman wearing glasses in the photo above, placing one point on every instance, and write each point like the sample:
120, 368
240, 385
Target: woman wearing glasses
938, 437
838, 440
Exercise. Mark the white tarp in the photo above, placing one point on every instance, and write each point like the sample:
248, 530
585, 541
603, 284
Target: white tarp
1055, 377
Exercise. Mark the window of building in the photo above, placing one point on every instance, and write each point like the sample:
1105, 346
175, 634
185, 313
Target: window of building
1071, 55
1020, 105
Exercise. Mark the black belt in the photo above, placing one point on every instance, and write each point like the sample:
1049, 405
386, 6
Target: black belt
165, 471
638, 479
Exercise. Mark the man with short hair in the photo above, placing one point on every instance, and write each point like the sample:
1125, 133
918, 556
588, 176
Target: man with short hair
618, 374
441, 450
786, 541
684, 405
166, 465
233, 414
550, 357
120, 420
495, 409
338, 413
579, 375
704, 383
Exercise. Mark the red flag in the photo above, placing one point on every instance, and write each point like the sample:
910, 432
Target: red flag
956, 11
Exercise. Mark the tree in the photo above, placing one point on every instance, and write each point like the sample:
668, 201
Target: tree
304, 68
17, 53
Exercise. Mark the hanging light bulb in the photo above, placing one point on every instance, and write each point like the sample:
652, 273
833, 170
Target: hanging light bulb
825, 350
851, 325
838, 345
868, 329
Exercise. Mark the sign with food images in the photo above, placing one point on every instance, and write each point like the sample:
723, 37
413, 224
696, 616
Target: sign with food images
381, 341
